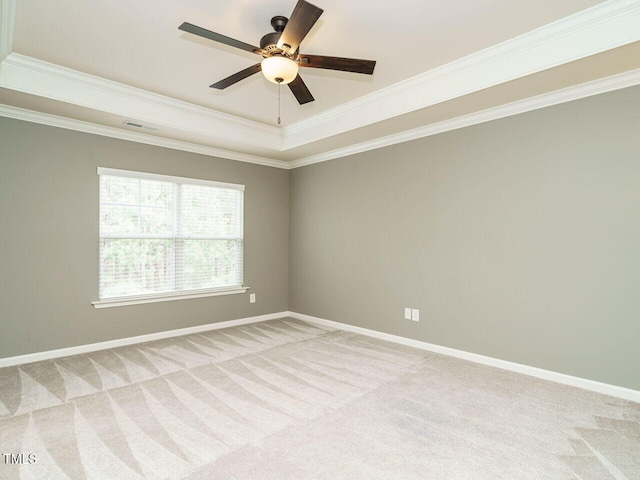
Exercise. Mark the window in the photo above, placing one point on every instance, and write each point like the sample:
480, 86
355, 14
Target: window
167, 237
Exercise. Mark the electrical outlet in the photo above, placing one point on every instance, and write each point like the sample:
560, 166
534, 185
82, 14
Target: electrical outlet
415, 315
407, 314
252, 298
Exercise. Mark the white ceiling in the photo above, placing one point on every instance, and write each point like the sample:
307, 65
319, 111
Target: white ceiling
93, 64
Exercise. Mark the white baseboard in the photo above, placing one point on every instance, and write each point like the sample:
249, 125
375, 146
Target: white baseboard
599, 387
121, 342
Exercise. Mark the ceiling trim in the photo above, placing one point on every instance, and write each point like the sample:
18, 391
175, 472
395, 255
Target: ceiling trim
596, 87
608, 25
112, 132
603, 27
7, 16
37, 77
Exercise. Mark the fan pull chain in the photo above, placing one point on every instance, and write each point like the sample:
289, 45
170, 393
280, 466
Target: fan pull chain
279, 87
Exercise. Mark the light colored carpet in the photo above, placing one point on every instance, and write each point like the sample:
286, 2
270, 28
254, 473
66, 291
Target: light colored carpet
288, 400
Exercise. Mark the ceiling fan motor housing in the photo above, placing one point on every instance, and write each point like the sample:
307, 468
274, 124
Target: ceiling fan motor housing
268, 42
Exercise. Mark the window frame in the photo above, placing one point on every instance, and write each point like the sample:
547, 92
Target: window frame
174, 294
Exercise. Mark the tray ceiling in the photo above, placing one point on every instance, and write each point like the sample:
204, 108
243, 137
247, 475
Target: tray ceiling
104, 62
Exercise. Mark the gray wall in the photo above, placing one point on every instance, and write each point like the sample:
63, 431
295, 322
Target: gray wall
49, 240
518, 239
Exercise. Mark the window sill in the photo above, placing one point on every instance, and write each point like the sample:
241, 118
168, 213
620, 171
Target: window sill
122, 301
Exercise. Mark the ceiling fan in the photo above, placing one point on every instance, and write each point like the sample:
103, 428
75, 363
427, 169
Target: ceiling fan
280, 52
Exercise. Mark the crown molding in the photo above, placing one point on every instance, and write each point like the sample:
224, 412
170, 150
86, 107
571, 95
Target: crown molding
600, 28
37, 77
596, 87
112, 132
603, 27
7, 17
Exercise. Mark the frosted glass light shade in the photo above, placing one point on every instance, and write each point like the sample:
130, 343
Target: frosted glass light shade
279, 67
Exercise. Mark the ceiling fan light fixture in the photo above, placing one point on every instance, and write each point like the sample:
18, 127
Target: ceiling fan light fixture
280, 52
279, 69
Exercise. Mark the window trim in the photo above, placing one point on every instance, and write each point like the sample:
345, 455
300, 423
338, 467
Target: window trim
168, 296
165, 297
167, 178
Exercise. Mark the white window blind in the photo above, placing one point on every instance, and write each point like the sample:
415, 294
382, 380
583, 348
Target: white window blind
168, 235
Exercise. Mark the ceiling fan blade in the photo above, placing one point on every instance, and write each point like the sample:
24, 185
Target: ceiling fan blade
216, 37
304, 16
236, 77
300, 90
354, 65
